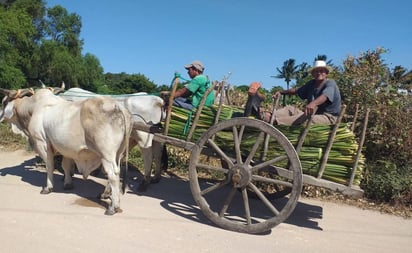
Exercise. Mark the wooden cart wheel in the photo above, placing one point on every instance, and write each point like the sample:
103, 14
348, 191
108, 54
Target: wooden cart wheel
223, 192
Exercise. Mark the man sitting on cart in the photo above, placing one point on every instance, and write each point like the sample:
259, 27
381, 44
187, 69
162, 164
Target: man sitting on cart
189, 97
322, 95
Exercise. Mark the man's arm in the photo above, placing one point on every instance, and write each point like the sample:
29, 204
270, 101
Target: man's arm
183, 92
310, 108
291, 91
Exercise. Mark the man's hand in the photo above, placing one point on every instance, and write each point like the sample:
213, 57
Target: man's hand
310, 108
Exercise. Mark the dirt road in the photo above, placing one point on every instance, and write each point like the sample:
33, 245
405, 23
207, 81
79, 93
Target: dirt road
166, 219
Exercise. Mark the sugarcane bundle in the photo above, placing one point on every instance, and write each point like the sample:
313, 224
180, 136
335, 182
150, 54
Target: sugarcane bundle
341, 157
182, 119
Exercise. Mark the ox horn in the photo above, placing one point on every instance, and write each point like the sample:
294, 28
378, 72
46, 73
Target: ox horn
25, 92
42, 84
5, 92
9, 93
58, 90
17, 93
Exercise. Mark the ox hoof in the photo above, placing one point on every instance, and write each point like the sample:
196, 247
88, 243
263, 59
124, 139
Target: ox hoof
46, 190
109, 212
67, 187
112, 211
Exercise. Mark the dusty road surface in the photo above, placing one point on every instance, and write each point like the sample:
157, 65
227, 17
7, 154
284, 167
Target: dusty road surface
166, 219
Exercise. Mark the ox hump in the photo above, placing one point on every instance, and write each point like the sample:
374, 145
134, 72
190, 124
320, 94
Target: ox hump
100, 105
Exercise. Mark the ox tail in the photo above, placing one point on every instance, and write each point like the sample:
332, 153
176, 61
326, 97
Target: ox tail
127, 133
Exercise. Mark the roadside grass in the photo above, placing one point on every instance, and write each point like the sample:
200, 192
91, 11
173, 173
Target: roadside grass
10, 141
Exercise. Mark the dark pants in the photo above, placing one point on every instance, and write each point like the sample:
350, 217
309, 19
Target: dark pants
183, 102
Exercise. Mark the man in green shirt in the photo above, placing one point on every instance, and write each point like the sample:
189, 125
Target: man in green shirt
189, 97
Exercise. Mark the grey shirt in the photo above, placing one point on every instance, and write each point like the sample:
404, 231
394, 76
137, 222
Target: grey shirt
329, 89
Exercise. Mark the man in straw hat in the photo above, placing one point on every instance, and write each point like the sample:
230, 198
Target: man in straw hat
322, 96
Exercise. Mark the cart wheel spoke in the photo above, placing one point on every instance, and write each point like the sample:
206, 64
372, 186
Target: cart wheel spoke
269, 162
236, 140
246, 205
212, 168
272, 181
264, 199
214, 187
227, 202
254, 149
220, 152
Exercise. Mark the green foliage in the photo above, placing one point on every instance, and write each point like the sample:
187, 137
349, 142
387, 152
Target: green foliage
136, 159
385, 183
10, 77
366, 81
242, 88
178, 158
64, 28
16, 33
43, 44
125, 83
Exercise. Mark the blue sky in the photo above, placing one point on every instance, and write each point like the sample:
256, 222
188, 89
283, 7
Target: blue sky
248, 38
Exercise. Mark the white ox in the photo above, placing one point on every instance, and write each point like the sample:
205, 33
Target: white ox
145, 108
90, 133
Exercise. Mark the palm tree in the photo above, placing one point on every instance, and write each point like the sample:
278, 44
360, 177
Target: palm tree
301, 73
323, 57
288, 72
401, 78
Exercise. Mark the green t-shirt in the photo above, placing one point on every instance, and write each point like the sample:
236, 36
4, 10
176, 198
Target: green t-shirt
198, 87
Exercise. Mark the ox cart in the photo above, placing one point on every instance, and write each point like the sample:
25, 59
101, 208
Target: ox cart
245, 174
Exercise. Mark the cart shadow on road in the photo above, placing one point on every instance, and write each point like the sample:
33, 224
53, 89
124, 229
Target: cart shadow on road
177, 198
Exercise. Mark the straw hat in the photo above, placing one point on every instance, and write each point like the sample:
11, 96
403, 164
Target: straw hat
320, 64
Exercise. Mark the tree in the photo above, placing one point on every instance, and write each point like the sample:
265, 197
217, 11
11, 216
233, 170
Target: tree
301, 74
401, 78
36, 9
91, 73
365, 81
288, 72
64, 28
125, 83
16, 33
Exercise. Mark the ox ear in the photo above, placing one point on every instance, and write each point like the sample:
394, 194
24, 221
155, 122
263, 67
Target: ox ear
8, 111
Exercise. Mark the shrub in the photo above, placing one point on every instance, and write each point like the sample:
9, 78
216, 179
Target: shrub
385, 182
